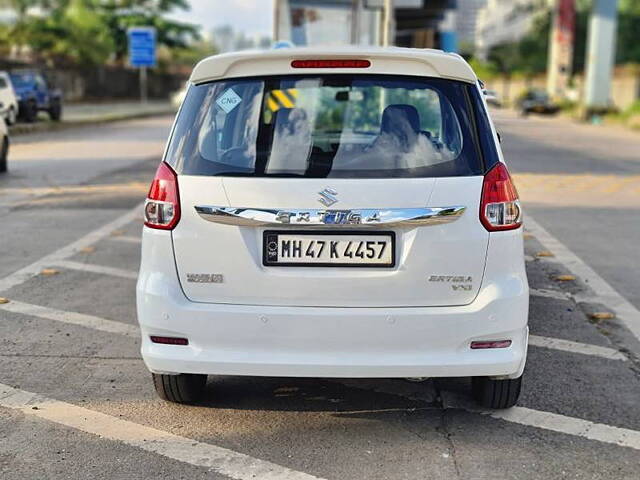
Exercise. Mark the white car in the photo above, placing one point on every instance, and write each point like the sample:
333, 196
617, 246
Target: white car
492, 98
4, 145
333, 213
8, 99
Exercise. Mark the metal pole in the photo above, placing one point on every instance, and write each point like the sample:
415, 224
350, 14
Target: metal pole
600, 54
355, 21
387, 19
276, 20
143, 84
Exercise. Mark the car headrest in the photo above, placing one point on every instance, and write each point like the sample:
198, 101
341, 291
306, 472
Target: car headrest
395, 118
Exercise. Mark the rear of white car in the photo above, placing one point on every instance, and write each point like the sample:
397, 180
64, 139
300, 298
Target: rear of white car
333, 214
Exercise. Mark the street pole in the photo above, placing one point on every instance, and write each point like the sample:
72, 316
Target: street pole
276, 20
560, 58
143, 84
356, 6
387, 22
600, 55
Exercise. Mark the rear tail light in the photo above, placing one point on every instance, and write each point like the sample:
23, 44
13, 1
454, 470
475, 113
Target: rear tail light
162, 208
500, 207
490, 344
339, 63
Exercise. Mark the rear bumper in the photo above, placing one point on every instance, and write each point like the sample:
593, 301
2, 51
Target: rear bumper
326, 342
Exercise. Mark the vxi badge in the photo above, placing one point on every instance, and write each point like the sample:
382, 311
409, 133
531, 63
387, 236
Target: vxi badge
458, 282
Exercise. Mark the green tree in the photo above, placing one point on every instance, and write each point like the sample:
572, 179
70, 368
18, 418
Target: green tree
120, 15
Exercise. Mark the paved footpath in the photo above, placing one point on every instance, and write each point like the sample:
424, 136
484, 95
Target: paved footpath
77, 402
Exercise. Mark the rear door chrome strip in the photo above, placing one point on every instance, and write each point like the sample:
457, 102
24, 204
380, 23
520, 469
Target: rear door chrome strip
370, 217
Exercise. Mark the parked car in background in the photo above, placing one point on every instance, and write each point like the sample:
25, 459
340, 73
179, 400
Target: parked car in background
492, 98
536, 101
35, 94
8, 99
4, 145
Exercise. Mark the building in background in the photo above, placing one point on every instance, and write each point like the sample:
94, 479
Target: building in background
501, 21
226, 39
466, 21
412, 23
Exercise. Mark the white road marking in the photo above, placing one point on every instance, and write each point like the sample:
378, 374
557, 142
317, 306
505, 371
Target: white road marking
89, 267
602, 292
126, 238
24, 274
570, 425
221, 460
578, 427
72, 318
524, 416
542, 292
576, 347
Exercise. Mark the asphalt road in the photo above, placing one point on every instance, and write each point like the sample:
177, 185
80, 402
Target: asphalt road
582, 183
77, 402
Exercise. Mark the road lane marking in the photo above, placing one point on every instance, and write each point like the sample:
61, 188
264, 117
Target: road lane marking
221, 460
542, 292
93, 268
570, 425
65, 189
602, 292
25, 273
555, 422
73, 318
126, 238
576, 347
521, 415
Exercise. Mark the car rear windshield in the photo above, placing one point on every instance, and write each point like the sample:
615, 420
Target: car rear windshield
338, 126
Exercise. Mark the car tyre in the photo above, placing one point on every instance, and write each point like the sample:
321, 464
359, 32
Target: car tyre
30, 112
181, 388
55, 112
496, 394
4, 154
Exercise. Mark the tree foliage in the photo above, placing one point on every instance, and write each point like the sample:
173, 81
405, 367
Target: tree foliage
91, 32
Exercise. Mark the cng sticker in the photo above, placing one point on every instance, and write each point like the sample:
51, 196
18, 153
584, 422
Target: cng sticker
228, 100
278, 99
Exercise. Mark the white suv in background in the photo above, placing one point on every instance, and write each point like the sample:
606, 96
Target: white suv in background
8, 99
334, 213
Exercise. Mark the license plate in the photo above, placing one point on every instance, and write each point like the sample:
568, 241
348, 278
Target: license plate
328, 249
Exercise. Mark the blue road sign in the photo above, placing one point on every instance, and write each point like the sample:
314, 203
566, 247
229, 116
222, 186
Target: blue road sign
142, 46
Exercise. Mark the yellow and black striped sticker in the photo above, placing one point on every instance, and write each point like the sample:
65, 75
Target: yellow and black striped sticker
278, 99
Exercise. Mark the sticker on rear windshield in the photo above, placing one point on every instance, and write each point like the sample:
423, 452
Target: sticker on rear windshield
228, 100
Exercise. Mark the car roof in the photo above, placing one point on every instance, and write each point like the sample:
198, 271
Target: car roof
384, 60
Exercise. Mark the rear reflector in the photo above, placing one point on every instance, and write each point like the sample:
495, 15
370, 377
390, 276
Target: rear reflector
491, 344
170, 340
331, 64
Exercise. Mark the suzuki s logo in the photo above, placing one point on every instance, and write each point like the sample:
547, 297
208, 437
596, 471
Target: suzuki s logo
327, 197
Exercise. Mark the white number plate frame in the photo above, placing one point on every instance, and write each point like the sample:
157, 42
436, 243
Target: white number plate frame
289, 248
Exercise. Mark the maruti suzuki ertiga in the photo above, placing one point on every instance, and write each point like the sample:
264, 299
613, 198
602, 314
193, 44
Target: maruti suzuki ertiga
333, 213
